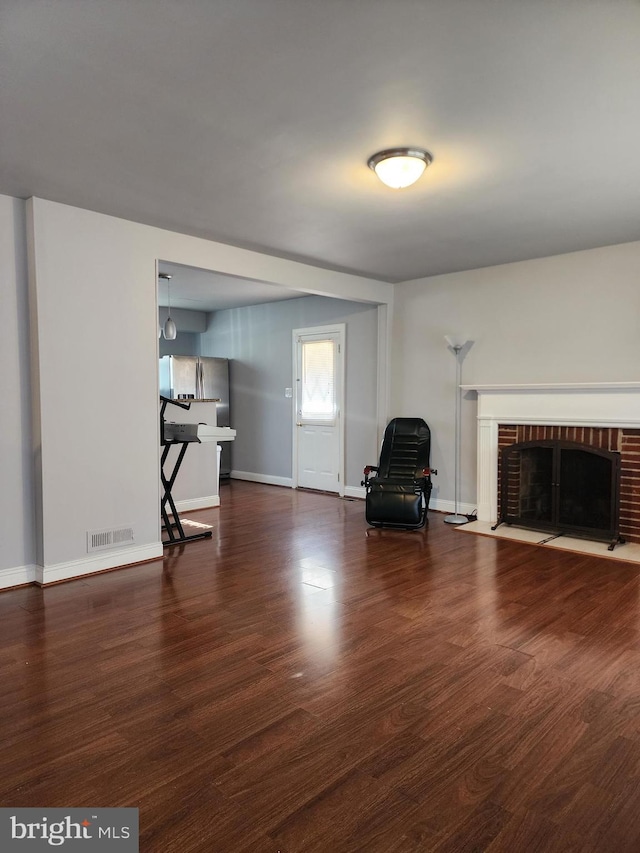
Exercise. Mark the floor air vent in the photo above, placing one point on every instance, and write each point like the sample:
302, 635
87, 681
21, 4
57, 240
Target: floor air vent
112, 537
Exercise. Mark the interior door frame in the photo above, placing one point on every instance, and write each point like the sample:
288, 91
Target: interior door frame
339, 329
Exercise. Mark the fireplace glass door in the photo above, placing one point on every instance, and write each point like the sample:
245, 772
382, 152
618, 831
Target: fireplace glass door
562, 487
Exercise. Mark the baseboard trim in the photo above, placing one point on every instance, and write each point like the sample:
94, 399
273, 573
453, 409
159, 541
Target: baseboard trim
267, 479
434, 504
349, 491
100, 563
355, 492
17, 576
450, 507
198, 503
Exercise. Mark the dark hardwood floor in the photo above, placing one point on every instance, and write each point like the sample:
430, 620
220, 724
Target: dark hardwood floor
294, 684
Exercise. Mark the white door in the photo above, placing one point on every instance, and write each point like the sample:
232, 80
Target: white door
318, 421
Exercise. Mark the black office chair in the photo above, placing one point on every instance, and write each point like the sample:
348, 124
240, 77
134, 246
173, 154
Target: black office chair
398, 494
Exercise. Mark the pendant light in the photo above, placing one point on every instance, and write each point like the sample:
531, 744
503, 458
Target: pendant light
169, 329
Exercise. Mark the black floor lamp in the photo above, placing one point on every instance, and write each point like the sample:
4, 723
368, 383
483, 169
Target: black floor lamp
460, 351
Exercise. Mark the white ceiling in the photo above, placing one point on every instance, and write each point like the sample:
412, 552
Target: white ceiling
202, 290
251, 121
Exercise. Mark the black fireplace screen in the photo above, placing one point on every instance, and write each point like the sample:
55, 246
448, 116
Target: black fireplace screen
562, 487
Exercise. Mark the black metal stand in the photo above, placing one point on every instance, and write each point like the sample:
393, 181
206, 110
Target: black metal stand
167, 482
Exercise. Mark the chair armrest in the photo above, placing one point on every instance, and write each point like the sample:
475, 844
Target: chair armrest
368, 469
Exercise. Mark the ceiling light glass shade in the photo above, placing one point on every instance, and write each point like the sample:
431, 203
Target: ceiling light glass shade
400, 167
169, 330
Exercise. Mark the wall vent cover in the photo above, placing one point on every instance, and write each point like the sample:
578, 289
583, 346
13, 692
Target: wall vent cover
110, 537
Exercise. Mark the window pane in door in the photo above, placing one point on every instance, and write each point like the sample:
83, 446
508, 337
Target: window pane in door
318, 387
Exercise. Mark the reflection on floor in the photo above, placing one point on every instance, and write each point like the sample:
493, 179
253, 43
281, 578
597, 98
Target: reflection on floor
196, 525
629, 552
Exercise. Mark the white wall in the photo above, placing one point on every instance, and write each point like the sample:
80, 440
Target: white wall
573, 318
186, 320
258, 340
93, 287
95, 330
17, 539
185, 343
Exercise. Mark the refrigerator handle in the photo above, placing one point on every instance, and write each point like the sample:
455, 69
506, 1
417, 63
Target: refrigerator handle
198, 380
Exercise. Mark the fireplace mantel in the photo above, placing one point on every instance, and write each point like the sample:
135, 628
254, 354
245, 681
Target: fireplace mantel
556, 386
589, 404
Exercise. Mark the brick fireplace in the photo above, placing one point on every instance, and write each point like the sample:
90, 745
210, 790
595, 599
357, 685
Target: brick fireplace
603, 415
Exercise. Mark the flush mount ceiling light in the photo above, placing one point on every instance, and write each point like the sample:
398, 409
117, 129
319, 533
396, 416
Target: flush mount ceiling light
169, 329
400, 167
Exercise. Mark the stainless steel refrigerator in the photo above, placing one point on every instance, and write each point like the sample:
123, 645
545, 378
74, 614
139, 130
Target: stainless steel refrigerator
200, 378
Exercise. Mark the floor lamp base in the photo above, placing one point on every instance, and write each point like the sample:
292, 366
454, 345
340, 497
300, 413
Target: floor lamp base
455, 519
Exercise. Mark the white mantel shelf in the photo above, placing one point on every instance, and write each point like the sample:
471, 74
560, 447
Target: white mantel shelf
566, 386
588, 404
